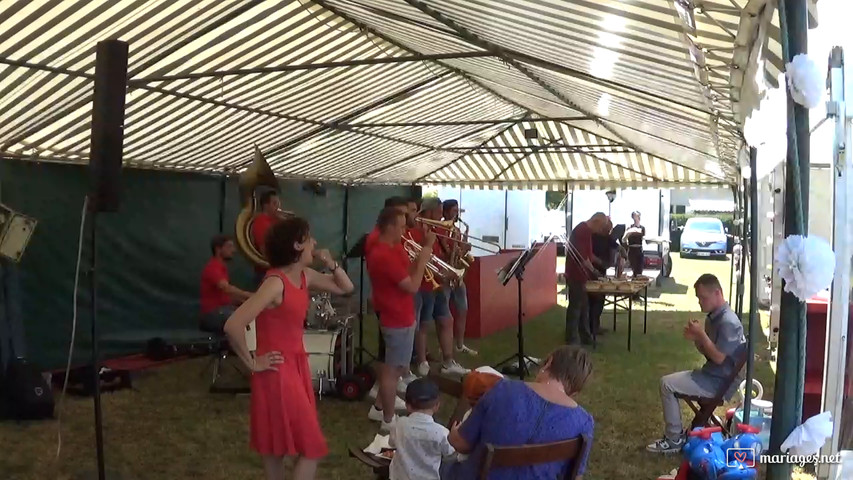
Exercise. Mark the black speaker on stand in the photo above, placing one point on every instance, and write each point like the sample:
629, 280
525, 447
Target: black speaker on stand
105, 161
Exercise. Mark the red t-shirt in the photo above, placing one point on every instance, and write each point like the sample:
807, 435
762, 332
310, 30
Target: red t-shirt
581, 239
260, 225
418, 236
371, 239
387, 266
212, 297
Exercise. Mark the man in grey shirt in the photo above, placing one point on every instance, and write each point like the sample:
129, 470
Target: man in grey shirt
721, 341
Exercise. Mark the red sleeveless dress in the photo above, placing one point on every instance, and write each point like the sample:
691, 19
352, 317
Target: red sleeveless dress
284, 418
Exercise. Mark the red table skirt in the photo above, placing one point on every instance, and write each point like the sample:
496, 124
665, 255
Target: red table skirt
493, 307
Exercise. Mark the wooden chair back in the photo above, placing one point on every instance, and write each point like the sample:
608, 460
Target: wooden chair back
452, 387
528, 455
740, 361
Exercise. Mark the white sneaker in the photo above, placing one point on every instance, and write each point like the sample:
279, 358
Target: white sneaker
465, 349
423, 369
375, 414
385, 427
401, 387
374, 392
409, 377
454, 368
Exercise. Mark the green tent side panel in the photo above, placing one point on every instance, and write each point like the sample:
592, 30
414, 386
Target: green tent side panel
150, 253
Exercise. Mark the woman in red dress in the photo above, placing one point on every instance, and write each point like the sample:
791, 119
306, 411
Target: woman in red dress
284, 419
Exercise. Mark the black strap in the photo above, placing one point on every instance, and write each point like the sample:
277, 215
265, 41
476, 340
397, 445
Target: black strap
538, 422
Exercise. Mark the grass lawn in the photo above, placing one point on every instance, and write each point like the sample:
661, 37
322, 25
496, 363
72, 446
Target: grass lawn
170, 427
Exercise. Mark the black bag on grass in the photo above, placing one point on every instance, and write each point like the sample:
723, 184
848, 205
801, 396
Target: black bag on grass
26, 394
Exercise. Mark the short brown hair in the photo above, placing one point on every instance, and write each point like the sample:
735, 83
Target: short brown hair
387, 217
708, 280
280, 239
571, 366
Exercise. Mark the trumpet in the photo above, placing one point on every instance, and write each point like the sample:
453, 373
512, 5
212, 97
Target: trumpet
435, 267
451, 227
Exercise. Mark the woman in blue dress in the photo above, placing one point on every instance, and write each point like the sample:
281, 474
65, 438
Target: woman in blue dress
517, 413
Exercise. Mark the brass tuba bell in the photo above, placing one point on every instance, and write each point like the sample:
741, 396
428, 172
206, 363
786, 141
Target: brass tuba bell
259, 174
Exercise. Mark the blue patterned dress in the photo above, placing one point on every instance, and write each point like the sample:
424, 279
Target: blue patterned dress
512, 414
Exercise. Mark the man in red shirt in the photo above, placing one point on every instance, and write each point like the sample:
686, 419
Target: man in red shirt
269, 205
218, 296
580, 267
394, 280
432, 303
459, 294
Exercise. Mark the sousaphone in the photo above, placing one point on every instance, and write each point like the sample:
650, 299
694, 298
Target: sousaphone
259, 174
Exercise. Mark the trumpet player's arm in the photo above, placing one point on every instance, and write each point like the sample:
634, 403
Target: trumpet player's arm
235, 327
337, 282
235, 293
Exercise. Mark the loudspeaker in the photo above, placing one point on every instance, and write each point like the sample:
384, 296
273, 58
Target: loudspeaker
26, 394
105, 153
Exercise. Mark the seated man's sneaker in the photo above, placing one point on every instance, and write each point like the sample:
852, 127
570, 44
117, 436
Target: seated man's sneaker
665, 445
453, 367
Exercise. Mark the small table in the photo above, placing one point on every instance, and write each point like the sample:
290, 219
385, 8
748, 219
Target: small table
622, 290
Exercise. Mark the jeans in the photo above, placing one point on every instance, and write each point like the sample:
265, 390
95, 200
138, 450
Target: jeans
688, 382
577, 314
596, 309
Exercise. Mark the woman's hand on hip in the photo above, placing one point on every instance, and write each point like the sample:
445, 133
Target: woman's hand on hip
267, 361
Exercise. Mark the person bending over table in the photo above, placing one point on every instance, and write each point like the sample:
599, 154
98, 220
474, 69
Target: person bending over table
578, 271
719, 340
605, 248
283, 414
218, 297
395, 281
515, 413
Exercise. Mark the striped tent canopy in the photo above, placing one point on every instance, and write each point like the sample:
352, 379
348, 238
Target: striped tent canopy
539, 93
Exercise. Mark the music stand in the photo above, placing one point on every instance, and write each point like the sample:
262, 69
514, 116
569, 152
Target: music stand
515, 268
357, 251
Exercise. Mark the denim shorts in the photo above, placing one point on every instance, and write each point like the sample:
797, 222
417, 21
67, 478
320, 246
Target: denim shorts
458, 295
399, 343
431, 306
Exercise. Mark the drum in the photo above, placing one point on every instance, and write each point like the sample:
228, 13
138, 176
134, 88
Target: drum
330, 359
323, 348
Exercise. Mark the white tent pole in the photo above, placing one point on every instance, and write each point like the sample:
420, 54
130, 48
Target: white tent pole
836, 329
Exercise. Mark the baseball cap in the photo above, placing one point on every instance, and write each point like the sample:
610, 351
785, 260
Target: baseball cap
430, 203
421, 391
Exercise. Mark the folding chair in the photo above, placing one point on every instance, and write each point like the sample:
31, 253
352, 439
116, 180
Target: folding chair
528, 455
704, 407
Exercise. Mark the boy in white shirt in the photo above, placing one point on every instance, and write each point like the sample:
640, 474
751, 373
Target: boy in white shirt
421, 443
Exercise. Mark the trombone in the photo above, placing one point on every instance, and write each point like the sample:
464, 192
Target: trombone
435, 267
450, 226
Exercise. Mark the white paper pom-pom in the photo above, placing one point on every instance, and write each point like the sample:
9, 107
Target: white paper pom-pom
807, 264
806, 82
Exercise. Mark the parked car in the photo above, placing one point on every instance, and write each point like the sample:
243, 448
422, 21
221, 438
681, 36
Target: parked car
704, 237
656, 256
